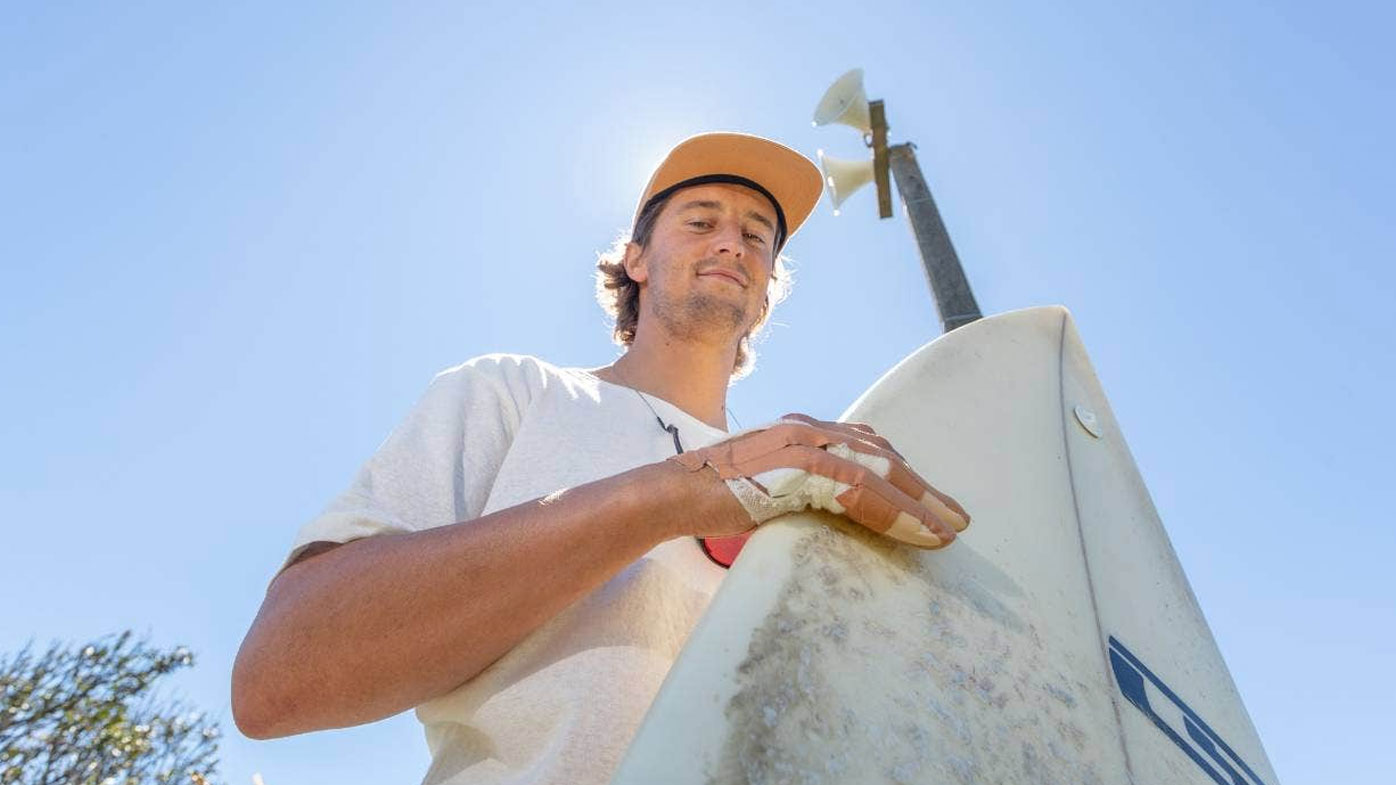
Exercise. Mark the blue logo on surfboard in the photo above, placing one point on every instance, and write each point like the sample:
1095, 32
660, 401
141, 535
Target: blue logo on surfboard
1201, 743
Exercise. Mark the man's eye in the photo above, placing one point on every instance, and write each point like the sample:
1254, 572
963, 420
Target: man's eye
758, 238
702, 224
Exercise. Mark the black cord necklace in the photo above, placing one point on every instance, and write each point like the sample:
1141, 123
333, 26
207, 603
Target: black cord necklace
669, 428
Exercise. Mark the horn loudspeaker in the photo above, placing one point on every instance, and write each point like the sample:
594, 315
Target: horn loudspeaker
842, 177
845, 102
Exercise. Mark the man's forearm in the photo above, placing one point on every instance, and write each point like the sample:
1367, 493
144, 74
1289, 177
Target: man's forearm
382, 624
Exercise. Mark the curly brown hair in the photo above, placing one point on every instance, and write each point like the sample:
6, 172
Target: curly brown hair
619, 294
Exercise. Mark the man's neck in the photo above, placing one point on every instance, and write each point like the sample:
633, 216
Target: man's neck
691, 376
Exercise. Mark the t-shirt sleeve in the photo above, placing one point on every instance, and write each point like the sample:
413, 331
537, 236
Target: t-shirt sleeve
438, 465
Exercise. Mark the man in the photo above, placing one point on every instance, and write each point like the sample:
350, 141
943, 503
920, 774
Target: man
521, 560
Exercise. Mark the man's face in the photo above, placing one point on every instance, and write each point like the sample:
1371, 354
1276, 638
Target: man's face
704, 272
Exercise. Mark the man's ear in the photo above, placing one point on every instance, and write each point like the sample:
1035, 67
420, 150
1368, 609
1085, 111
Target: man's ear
636, 263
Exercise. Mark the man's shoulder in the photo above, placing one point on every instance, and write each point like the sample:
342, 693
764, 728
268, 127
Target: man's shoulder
518, 374
504, 364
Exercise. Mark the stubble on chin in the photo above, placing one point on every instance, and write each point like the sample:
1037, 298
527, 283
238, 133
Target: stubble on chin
699, 315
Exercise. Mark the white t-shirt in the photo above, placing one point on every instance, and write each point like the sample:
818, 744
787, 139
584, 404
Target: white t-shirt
497, 431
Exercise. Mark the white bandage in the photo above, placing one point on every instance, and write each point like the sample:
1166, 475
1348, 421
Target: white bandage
792, 490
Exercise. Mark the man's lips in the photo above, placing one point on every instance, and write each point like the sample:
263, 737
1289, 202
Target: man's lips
736, 278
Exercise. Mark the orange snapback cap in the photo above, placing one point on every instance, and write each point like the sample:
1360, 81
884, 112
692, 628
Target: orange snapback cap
790, 180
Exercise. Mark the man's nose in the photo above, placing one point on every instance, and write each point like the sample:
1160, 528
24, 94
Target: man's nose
728, 239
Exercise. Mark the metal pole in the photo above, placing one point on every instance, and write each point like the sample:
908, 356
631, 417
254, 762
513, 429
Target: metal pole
954, 299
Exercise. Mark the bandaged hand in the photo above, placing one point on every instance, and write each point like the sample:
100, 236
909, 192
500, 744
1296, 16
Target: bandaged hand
799, 463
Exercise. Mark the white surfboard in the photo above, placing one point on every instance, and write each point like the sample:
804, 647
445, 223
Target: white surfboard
1056, 641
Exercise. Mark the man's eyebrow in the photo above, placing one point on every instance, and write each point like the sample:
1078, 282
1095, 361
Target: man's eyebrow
708, 204
759, 218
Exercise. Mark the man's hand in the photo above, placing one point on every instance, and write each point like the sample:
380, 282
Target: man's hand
800, 462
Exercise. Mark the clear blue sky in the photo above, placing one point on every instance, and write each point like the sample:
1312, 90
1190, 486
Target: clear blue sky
236, 242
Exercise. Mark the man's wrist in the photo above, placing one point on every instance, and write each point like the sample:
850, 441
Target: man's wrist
673, 500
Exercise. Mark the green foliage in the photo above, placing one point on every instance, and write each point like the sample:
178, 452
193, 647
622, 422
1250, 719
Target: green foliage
87, 716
